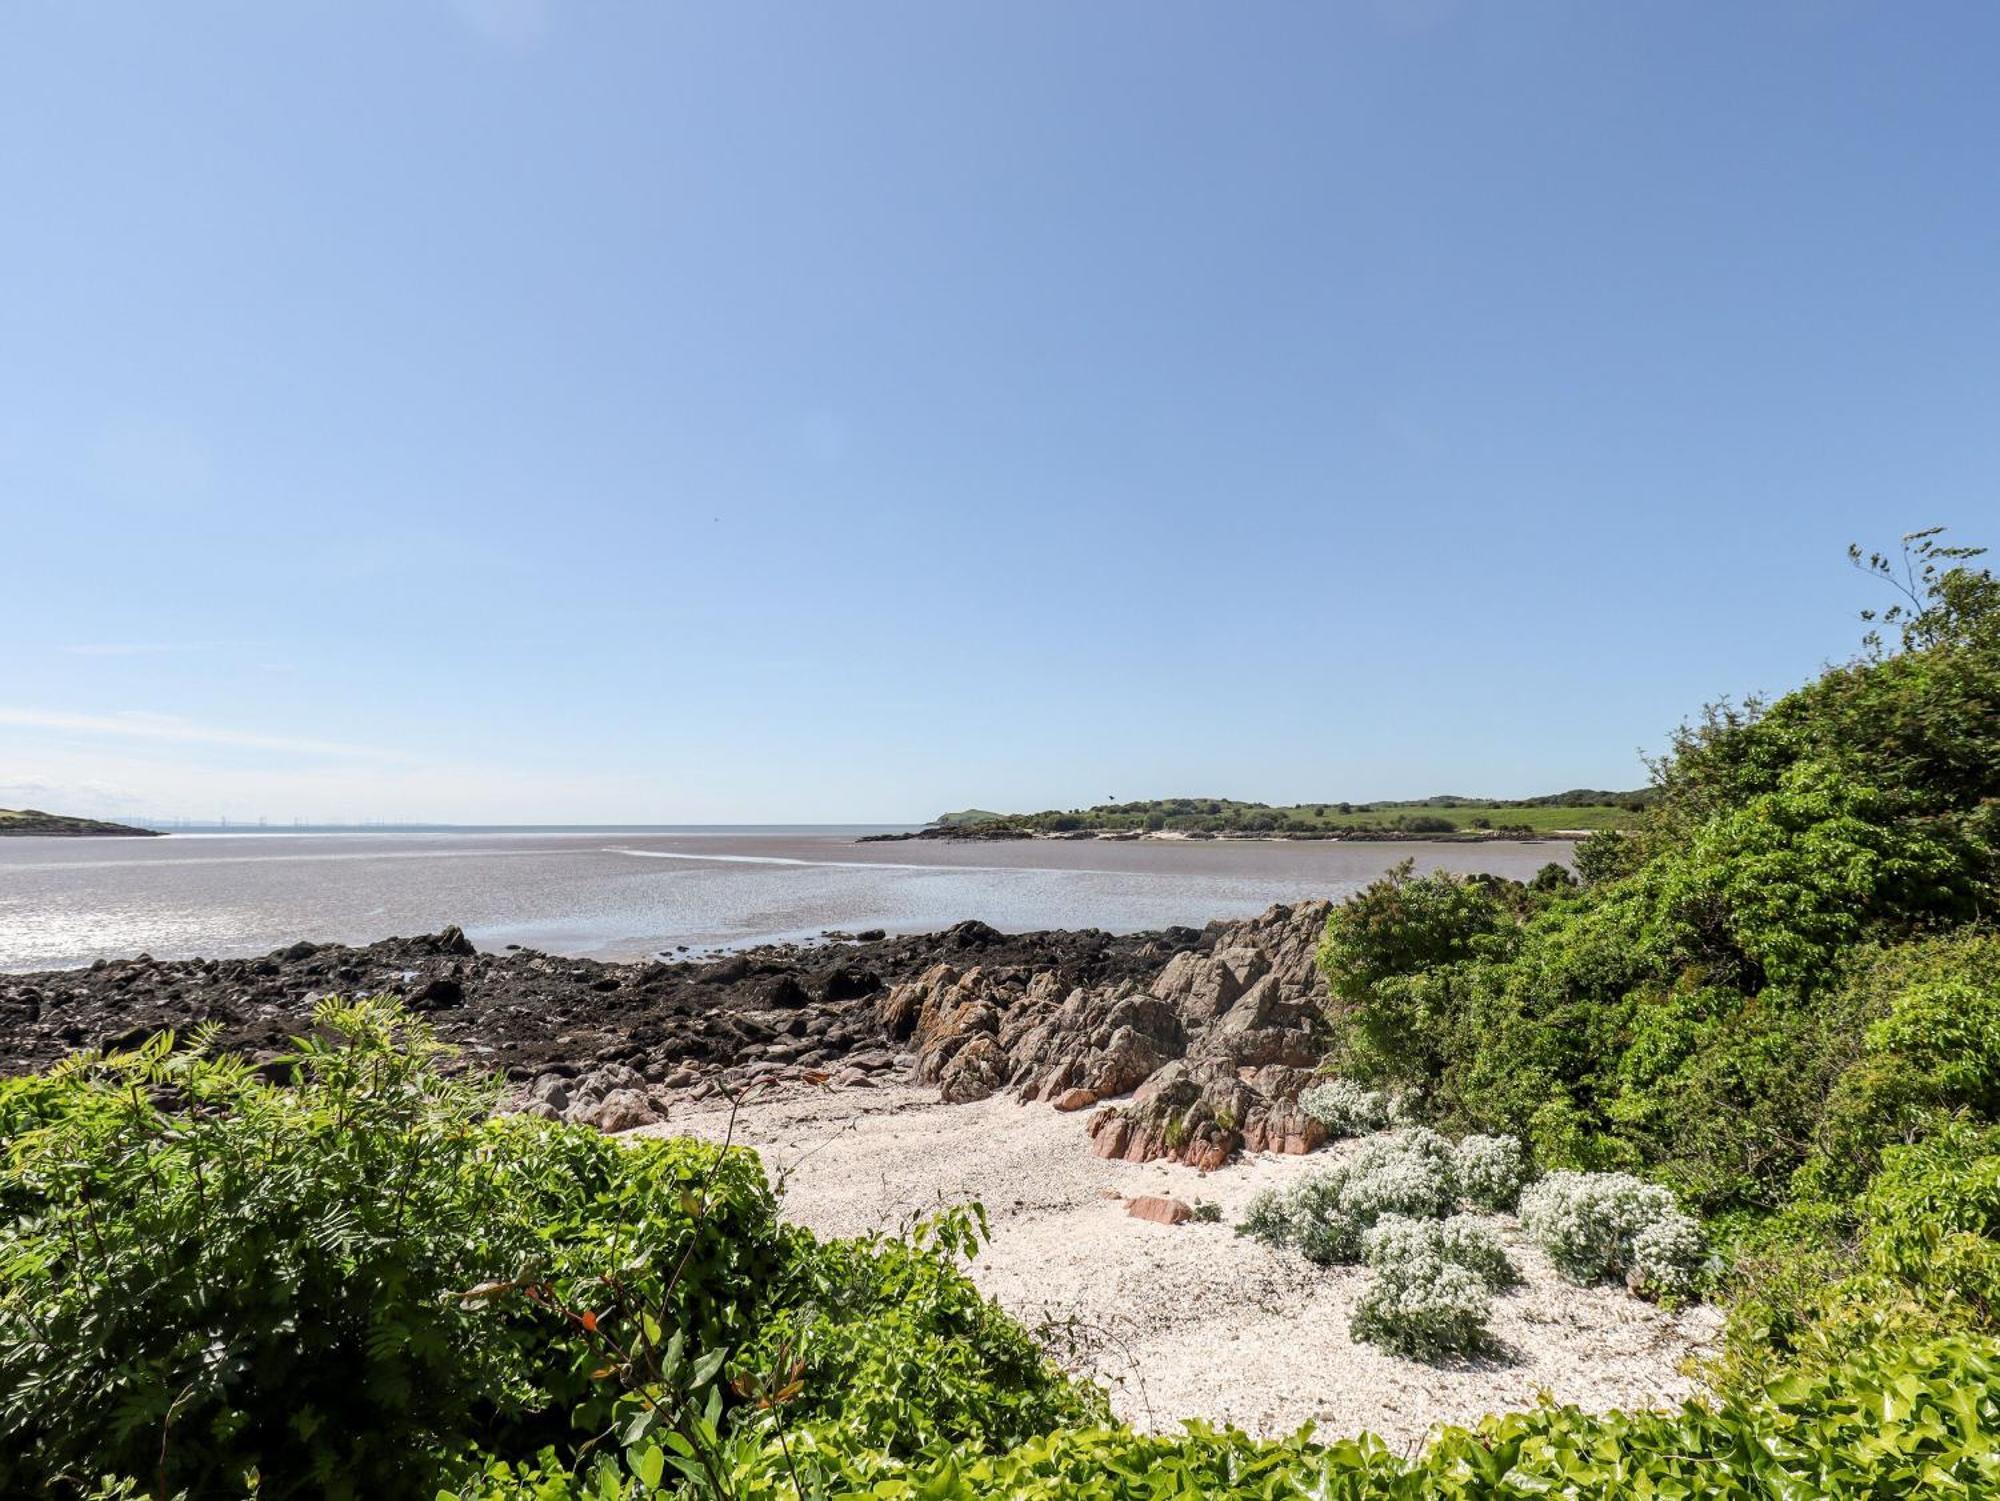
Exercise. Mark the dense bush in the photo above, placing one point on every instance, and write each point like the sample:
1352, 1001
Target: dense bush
1777, 995
1931, 1218
1345, 1108
896, 1351
1384, 949
256, 1280
1599, 1226
348, 1286
1428, 1295
1491, 1170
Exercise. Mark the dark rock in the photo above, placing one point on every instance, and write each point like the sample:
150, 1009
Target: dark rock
439, 993
971, 934
845, 984
453, 941
273, 1067
785, 991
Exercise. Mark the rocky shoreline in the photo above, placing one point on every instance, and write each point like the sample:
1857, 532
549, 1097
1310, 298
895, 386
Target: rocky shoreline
1202, 1038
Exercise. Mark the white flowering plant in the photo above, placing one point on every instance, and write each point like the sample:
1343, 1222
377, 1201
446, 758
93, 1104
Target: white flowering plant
1324, 1217
1491, 1170
1461, 1240
1599, 1226
1345, 1108
1425, 1307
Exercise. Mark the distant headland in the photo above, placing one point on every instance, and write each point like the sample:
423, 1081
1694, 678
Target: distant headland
1557, 815
35, 821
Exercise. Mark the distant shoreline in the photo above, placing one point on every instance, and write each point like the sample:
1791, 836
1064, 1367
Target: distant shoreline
24, 823
974, 835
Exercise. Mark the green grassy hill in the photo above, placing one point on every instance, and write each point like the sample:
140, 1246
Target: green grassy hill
1580, 810
34, 821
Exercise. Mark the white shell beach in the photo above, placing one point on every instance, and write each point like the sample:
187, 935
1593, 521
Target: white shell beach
1189, 1321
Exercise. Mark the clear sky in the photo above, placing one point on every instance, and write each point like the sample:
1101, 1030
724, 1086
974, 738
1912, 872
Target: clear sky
523, 411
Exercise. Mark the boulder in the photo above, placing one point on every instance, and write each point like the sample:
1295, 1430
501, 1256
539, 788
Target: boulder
1161, 1211
438, 993
620, 1110
551, 1090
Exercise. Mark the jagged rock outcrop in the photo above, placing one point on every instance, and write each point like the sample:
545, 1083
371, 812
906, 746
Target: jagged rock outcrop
1213, 1051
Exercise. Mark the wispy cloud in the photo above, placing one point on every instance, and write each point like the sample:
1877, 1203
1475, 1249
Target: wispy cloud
173, 730
21, 790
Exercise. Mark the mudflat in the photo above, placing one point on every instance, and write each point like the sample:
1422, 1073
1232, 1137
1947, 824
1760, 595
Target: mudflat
626, 894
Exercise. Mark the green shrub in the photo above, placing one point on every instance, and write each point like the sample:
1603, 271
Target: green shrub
1402, 928
896, 1351
1914, 1033
257, 1280
348, 1286
1931, 1219
1912, 1421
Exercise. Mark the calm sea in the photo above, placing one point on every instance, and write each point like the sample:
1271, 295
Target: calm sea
628, 893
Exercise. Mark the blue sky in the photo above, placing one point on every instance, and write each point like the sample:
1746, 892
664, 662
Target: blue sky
507, 410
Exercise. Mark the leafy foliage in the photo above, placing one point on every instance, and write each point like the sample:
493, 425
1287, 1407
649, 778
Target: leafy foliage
1884, 1423
348, 1286
256, 1279
1777, 995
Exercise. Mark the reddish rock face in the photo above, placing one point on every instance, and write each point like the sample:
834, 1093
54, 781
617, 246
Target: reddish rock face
1160, 1211
1216, 1046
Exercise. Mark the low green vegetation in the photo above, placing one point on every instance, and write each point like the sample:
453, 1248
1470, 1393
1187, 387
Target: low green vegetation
1777, 997
35, 821
1774, 1001
966, 818
1561, 812
362, 1285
